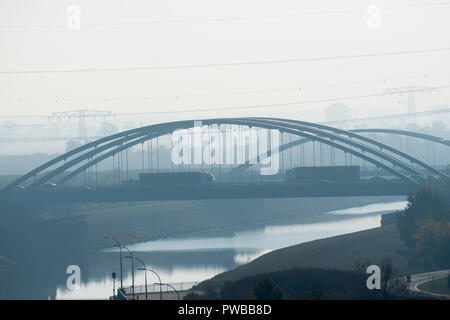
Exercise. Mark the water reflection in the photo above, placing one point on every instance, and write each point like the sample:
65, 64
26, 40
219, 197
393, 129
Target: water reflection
372, 208
102, 288
197, 259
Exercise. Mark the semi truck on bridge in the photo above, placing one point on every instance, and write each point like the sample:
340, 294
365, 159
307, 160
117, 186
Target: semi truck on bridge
176, 178
325, 173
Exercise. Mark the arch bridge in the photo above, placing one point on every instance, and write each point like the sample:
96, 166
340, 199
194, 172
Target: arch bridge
294, 143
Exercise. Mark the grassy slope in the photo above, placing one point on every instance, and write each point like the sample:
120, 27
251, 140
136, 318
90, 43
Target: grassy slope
436, 286
340, 252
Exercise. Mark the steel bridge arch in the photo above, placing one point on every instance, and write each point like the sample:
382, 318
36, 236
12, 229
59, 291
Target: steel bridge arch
311, 128
93, 144
372, 141
142, 134
382, 146
356, 153
423, 136
300, 130
214, 121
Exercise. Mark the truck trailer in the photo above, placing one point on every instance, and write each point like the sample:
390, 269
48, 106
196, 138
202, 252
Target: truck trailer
328, 173
172, 178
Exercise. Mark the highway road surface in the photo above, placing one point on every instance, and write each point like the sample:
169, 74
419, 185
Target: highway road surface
418, 279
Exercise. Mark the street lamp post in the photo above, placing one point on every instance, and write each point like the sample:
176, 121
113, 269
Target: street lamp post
132, 268
113, 275
160, 288
169, 285
145, 274
119, 245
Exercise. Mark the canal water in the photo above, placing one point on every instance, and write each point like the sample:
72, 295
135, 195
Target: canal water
197, 259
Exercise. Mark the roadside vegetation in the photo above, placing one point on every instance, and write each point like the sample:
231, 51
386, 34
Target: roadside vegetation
424, 225
307, 283
419, 242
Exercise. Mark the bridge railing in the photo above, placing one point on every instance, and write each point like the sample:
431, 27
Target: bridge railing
155, 288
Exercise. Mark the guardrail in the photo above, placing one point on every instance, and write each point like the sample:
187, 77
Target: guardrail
155, 287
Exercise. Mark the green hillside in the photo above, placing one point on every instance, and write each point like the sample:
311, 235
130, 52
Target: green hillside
340, 252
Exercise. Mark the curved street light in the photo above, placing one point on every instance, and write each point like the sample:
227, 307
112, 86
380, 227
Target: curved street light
132, 268
119, 245
160, 287
145, 273
169, 285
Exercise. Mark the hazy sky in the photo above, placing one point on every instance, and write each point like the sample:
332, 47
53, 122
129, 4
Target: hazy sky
144, 34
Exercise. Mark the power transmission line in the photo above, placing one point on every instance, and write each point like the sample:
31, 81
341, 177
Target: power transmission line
375, 118
282, 104
260, 106
263, 106
33, 139
410, 90
81, 116
231, 64
222, 19
143, 98
393, 116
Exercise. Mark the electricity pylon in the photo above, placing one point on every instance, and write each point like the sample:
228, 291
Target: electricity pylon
410, 90
82, 116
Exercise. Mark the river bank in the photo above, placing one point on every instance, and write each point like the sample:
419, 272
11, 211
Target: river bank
134, 223
339, 252
198, 258
238, 233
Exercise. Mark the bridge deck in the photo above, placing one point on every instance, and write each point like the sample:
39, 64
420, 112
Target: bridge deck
209, 191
